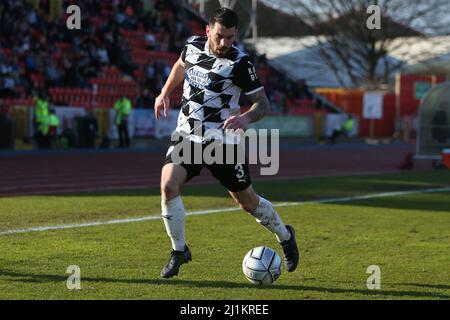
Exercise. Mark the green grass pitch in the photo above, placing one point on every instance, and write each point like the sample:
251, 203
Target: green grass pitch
407, 236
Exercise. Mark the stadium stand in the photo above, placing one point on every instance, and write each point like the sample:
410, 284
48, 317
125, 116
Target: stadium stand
39, 54
121, 49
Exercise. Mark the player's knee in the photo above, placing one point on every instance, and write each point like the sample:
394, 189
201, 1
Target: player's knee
169, 190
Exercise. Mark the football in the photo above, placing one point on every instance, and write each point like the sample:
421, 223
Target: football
262, 266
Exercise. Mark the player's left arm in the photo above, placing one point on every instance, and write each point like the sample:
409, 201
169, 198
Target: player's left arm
245, 77
259, 108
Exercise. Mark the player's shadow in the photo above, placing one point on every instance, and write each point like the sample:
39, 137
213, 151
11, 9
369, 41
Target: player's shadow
43, 278
277, 287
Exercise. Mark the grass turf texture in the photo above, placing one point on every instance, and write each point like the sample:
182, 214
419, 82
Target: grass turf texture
406, 236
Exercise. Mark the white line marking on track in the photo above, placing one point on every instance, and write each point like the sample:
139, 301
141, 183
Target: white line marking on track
201, 212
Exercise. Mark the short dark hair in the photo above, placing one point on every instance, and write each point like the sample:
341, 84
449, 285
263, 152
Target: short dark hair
224, 16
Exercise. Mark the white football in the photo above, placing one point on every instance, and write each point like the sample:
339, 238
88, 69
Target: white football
262, 266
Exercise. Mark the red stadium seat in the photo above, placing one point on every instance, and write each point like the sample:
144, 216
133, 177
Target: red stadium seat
96, 21
139, 74
197, 28
144, 57
8, 103
300, 107
7, 52
37, 79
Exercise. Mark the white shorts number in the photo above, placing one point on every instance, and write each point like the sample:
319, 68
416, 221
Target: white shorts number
240, 174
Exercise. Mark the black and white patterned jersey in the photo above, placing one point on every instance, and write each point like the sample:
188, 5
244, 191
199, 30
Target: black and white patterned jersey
212, 88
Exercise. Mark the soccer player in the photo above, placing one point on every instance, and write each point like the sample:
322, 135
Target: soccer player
215, 72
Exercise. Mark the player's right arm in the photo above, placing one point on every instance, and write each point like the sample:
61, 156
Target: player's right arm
162, 102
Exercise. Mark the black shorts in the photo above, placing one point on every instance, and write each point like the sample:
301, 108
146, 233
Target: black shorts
235, 177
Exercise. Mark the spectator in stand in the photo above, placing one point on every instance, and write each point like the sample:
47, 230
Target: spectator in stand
53, 76
146, 100
102, 55
92, 127
159, 81
22, 45
130, 18
67, 138
32, 36
67, 68
6, 128
124, 60
166, 70
164, 42
41, 121
3, 93
122, 107
53, 124
150, 76
345, 129
30, 62
8, 86
150, 40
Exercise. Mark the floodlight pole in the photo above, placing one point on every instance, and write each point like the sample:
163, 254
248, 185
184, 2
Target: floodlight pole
228, 3
202, 7
254, 21
397, 104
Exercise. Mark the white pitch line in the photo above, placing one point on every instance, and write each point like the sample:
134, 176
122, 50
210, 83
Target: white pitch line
201, 212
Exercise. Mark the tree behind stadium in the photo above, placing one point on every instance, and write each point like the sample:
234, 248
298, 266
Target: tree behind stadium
355, 52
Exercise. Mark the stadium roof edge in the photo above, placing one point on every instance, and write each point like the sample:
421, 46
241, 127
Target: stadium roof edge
296, 57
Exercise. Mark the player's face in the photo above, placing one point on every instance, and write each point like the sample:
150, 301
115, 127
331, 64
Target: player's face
220, 38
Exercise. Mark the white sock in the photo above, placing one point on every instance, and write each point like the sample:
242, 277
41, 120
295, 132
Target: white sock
174, 219
267, 216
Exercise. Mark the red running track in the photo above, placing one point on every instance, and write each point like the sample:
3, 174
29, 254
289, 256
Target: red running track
34, 174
